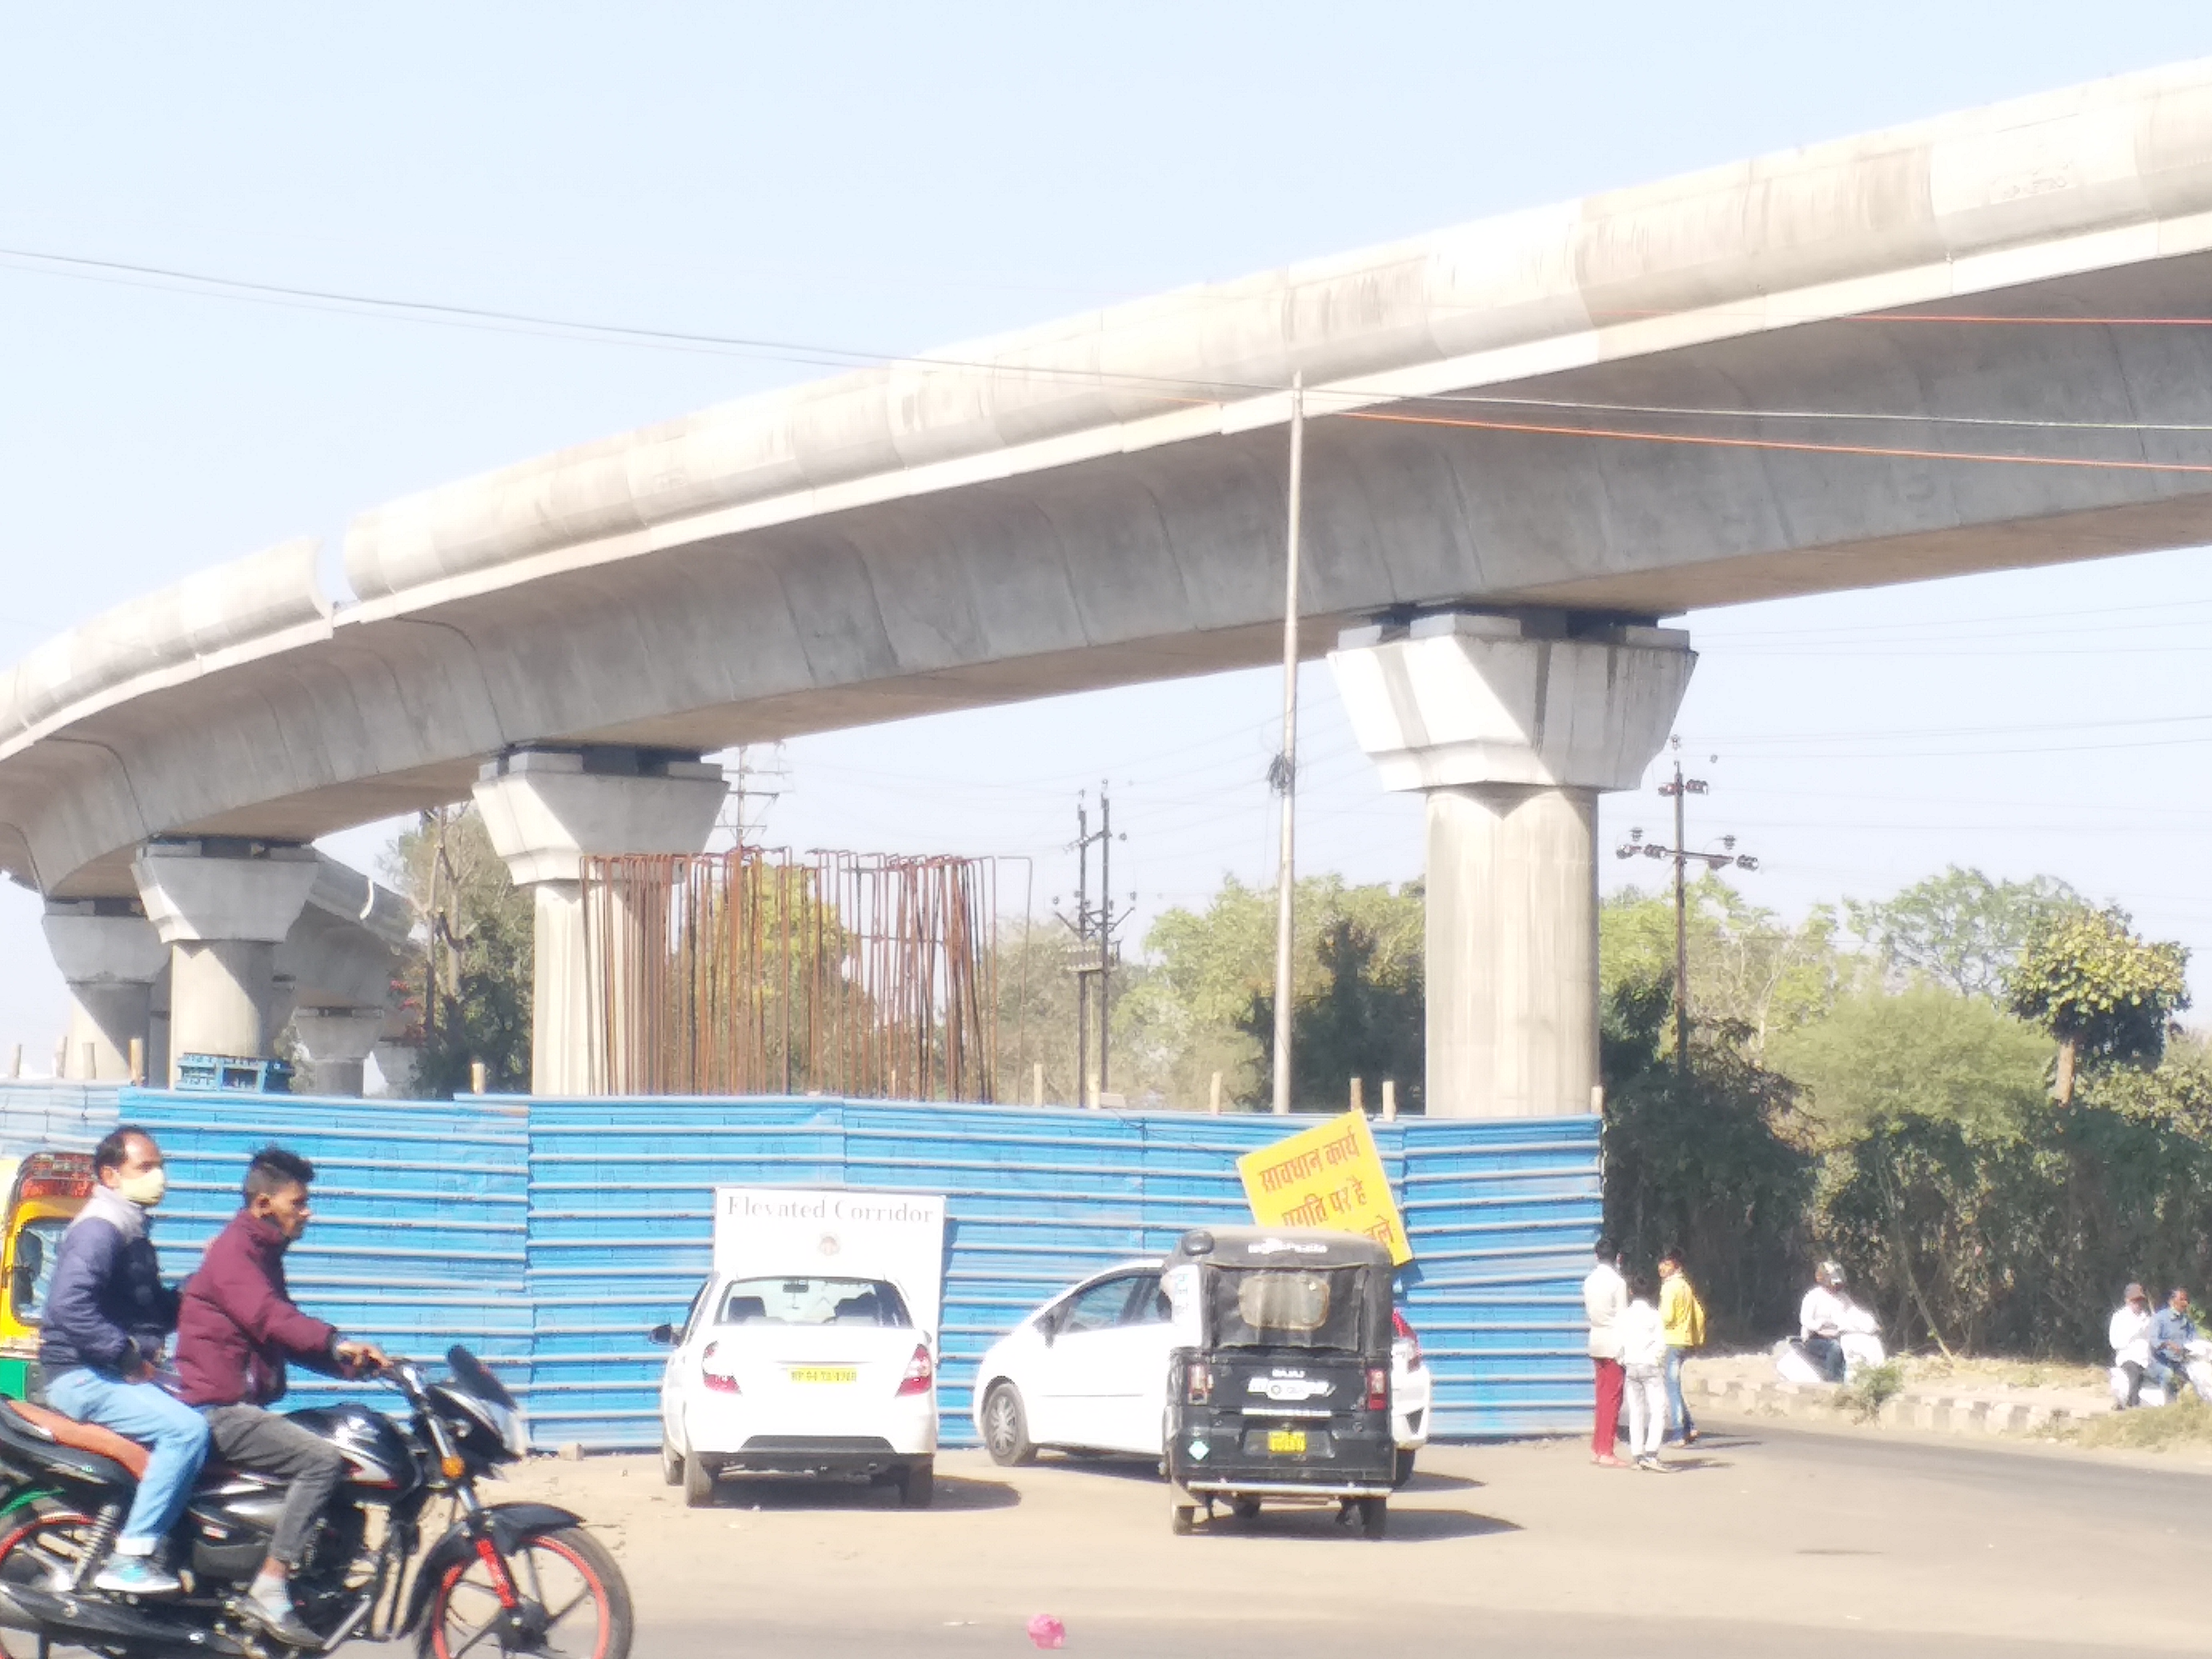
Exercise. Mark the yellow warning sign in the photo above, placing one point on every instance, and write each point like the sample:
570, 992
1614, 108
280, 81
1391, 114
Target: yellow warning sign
1329, 1176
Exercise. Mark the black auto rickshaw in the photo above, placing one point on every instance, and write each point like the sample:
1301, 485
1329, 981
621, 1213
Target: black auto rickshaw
1278, 1388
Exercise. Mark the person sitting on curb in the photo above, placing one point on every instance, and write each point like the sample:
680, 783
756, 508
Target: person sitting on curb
1822, 1318
2172, 1331
2130, 1335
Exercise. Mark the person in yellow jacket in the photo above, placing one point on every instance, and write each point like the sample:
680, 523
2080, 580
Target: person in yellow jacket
1682, 1317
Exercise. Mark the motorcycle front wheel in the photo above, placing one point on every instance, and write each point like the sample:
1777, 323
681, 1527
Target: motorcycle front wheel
573, 1603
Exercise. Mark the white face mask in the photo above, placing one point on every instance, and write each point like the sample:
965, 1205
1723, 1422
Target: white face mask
146, 1189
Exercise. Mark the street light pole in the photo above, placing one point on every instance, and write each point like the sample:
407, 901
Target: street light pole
1284, 774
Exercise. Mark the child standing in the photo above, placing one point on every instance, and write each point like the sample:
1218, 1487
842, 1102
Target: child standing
1684, 1317
1643, 1358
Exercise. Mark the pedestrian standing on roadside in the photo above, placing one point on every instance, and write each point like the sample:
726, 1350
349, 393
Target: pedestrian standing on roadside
1644, 1368
1605, 1293
1683, 1317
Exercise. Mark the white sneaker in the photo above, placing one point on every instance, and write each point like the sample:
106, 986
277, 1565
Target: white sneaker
136, 1575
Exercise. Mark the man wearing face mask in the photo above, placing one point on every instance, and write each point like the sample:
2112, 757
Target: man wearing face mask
238, 1330
107, 1313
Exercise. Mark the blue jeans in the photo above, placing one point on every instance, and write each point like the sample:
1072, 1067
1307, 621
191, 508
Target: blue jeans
177, 1435
1679, 1420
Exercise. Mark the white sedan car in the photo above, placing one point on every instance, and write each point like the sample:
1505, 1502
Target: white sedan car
1087, 1372
798, 1374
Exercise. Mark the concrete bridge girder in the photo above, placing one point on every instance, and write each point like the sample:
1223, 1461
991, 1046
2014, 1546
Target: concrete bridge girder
1526, 413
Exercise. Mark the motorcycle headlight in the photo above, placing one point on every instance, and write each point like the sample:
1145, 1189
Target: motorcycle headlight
512, 1426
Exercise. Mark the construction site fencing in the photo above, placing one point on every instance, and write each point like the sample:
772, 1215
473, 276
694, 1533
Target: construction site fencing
759, 971
551, 1236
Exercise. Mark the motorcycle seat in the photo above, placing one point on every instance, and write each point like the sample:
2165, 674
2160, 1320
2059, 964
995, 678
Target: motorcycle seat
82, 1437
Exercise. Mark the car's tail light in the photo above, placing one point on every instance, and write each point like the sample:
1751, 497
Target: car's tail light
1378, 1388
1407, 1347
716, 1382
919, 1371
1197, 1383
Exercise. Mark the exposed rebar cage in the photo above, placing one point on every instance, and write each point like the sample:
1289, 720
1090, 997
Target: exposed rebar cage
762, 972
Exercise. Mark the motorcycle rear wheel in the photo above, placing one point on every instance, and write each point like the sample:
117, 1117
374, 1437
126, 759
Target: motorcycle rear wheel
565, 1571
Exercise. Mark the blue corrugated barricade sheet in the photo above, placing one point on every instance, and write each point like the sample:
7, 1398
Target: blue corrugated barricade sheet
71, 1116
419, 1239
1501, 1214
551, 1234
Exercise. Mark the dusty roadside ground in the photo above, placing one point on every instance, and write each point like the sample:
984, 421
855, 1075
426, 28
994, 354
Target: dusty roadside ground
1763, 1538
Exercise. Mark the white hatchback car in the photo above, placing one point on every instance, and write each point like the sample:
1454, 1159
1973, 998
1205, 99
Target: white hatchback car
798, 1374
1088, 1372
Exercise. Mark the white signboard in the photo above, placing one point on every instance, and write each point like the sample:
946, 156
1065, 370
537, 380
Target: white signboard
840, 1231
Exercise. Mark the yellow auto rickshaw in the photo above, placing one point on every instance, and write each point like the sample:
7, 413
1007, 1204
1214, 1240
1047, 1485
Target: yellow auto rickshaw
46, 1190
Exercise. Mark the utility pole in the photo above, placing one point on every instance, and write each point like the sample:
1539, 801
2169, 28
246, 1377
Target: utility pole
1093, 926
1105, 926
1284, 773
1082, 934
1678, 789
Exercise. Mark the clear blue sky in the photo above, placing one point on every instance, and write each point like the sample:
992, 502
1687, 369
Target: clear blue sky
892, 178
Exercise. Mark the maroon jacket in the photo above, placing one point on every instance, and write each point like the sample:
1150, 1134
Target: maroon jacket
237, 1326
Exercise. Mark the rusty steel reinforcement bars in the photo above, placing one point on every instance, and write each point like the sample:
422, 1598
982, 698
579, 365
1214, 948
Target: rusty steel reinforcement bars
760, 971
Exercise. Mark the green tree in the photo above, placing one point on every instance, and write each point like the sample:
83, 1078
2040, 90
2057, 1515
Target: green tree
2107, 995
1958, 929
471, 963
1366, 1019
1718, 1166
1925, 1052
1748, 968
1188, 1014
1925, 1104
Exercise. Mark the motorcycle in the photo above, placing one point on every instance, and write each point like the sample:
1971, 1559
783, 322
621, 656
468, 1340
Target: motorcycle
504, 1578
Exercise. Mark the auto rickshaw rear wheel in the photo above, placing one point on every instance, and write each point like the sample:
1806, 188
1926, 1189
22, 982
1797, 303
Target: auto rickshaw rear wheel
671, 1466
1245, 1509
1181, 1518
1373, 1516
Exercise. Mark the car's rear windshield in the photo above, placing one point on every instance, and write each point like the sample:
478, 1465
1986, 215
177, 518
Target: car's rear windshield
814, 1302
1287, 1306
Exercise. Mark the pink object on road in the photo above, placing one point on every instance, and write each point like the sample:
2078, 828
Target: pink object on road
1048, 1632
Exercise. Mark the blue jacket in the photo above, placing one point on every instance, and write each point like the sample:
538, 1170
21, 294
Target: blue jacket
107, 1306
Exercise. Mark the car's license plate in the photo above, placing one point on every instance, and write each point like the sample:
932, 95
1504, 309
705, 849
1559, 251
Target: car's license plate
824, 1374
1286, 1442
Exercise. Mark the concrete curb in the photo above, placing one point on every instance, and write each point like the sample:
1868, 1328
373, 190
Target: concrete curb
1938, 1413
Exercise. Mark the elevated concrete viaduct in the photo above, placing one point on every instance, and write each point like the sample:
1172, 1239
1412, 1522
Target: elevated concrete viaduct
1535, 437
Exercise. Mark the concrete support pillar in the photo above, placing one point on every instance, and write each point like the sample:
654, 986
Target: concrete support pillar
547, 810
337, 1042
110, 956
221, 905
1511, 725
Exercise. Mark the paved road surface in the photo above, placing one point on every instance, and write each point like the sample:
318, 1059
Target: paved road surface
1772, 1542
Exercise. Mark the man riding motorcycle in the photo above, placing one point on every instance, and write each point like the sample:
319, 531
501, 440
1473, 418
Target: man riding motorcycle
236, 1330
106, 1316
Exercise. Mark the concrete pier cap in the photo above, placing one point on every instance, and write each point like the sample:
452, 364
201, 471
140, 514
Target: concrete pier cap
222, 904
546, 809
1511, 722
338, 1042
110, 956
